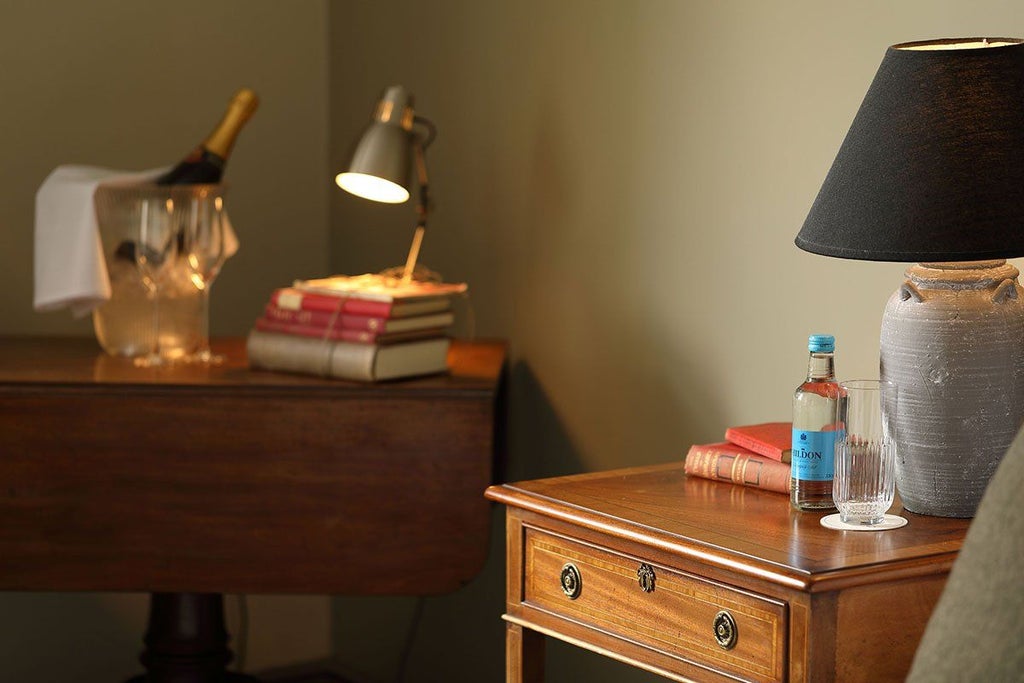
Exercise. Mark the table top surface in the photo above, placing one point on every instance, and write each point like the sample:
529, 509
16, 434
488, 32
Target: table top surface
78, 362
735, 527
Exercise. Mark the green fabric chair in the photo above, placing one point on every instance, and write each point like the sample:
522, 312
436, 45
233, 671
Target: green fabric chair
976, 632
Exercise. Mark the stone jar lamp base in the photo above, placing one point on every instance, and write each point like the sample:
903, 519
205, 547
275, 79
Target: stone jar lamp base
953, 342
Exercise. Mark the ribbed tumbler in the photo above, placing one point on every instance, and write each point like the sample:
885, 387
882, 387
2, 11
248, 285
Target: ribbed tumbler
865, 451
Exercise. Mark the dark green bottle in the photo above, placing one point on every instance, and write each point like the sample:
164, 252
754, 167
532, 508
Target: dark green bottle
205, 164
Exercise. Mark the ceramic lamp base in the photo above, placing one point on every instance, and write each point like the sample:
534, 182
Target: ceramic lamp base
953, 342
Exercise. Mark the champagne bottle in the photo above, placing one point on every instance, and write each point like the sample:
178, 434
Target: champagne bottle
205, 164
814, 428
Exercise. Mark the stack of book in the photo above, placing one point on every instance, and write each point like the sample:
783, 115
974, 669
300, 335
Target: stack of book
752, 455
366, 328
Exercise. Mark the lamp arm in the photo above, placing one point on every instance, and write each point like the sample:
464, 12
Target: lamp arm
423, 204
429, 125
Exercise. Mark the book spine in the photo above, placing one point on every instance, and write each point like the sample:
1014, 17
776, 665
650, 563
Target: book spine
378, 309
303, 355
323, 319
753, 444
293, 300
747, 469
316, 332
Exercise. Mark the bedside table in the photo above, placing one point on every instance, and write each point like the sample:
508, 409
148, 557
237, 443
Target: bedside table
700, 580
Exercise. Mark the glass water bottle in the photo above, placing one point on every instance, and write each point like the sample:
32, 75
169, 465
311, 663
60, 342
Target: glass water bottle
814, 429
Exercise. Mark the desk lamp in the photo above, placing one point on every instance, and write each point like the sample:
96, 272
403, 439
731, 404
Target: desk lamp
380, 165
932, 171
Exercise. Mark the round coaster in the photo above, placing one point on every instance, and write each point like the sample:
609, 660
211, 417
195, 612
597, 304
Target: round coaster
888, 522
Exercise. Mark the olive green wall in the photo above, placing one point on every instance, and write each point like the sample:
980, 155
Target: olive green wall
620, 183
135, 85
132, 85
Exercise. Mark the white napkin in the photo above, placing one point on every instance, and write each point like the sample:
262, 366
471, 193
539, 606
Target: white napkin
70, 269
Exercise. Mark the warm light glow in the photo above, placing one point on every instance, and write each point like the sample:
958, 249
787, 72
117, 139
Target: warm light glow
965, 45
372, 187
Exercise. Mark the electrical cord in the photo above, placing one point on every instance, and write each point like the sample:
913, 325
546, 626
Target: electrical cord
410, 639
242, 641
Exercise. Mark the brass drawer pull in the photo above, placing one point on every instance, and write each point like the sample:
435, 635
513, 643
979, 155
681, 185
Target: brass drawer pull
572, 582
725, 630
645, 576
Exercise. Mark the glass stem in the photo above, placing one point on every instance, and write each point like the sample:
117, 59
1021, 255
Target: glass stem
154, 354
204, 323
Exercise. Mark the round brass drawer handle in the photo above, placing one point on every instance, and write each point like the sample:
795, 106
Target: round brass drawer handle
645, 577
725, 630
572, 582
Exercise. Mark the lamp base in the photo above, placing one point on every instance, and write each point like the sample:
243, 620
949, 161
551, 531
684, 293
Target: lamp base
953, 342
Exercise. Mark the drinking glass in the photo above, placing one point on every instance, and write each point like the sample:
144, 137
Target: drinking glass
865, 452
203, 240
156, 247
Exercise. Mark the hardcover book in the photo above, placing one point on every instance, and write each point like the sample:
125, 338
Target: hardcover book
265, 324
292, 299
771, 439
378, 288
369, 323
728, 462
345, 360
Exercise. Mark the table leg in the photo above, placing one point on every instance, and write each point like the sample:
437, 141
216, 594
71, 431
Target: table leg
524, 655
186, 641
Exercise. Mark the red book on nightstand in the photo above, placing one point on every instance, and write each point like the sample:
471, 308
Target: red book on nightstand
735, 464
771, 439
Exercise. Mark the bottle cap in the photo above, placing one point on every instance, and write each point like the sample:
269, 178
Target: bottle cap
821, 343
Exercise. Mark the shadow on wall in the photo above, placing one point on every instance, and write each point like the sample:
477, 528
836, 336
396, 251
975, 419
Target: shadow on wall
538, 443
613, 409
459, 637
374, 635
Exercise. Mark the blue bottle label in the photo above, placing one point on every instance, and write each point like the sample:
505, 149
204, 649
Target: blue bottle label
813, 455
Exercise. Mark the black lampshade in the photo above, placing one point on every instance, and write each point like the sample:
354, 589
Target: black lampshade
932, 168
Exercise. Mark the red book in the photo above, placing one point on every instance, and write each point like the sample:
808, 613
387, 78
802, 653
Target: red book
290, 298
368, 323
735, 464
265, 324
771, 439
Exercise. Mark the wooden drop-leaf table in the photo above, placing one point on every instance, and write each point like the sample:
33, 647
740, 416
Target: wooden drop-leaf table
188, 482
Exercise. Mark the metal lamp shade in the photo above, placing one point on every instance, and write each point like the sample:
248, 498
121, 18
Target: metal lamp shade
932, 170
383, 156
380, 165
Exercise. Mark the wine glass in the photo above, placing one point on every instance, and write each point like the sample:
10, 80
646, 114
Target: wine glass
155, 252
205, 252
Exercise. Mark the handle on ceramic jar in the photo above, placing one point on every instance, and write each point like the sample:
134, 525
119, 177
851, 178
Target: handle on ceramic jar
908, 290
1006, 291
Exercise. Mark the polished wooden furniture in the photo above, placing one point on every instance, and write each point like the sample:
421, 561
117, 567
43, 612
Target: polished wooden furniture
206, 480
706, 581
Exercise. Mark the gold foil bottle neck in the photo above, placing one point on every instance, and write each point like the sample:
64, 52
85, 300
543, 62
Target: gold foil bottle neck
240, 109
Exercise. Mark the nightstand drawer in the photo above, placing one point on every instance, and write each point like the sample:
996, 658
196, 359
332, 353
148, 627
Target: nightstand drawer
707, 623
